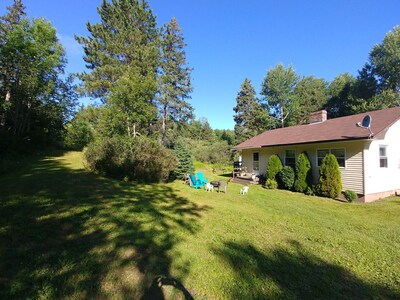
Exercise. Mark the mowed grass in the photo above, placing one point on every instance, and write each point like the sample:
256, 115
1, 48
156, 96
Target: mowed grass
69, 234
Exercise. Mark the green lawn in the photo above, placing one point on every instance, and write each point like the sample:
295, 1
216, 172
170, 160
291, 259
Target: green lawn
66, 233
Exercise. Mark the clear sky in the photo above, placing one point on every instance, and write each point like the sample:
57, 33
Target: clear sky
230, 40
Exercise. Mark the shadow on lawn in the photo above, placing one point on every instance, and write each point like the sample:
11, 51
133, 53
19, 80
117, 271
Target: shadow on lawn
296, 273
68, 233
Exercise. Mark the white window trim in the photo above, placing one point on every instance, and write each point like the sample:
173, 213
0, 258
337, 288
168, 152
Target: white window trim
386, 156
330, 152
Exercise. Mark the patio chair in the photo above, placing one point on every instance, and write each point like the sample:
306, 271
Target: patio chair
195, 182
223, 186
201, 178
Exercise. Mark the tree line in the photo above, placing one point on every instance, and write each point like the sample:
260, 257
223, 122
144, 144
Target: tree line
139, 73
287, 98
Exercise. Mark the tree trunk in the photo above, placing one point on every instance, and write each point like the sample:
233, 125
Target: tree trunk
164, 125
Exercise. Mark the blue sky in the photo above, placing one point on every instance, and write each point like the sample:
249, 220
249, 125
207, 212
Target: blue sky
229, 41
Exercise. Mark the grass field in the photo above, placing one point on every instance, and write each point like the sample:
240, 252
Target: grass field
68, 234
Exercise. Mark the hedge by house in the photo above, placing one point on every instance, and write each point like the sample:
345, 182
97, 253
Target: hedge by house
330, 178
286, 177
274, 165
303, 178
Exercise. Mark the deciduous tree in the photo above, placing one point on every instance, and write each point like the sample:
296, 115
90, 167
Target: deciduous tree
278, 90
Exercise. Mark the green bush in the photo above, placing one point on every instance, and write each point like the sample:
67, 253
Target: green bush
350, 195
78, 134
274, 165
139, 159
286, 178
330, 178
303, 178
271, 184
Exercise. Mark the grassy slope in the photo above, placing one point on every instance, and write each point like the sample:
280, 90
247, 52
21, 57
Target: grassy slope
65, 233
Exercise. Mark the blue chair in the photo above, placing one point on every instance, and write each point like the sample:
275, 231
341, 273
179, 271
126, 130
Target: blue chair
201, 178
195, 183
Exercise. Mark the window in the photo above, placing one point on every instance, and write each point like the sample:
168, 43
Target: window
383, 160
290, 158
256, 162
339, 154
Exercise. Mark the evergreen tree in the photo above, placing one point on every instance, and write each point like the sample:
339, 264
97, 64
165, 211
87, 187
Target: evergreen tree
185, 162
303, 173
250, 118
175, 82
123, 56
274, 166
278, 89
330, 178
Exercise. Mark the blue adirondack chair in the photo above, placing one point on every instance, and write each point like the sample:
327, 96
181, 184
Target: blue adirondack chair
195, 182
201, 178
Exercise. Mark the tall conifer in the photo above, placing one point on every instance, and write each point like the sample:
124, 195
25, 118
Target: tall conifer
122, 54
250, 118
175, 80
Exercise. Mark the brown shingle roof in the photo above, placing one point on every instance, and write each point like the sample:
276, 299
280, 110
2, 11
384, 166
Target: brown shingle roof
339, 129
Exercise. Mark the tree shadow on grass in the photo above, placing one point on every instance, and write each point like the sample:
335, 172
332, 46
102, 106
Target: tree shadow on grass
293, 274
67, 233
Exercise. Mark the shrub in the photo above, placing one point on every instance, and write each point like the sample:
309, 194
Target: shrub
350, 195
271, 184
330, 179
303, 178
286, 177
309, 191
274, 165
140, 159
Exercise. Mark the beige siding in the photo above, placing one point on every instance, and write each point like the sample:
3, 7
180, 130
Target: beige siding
352, 174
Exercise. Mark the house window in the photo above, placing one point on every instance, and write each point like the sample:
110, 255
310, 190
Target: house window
339, 154
383, 160
290, 158
256, 162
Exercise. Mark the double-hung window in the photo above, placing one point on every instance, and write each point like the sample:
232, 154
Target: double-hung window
290, 158
383, 160
339, 153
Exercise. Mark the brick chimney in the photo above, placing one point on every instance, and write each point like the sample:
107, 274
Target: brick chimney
318, 116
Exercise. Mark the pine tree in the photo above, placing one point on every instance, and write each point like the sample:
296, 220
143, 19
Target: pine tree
185, 162
175, 81
250, 118
123, 56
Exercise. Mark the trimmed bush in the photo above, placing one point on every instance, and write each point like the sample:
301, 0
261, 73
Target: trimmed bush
286, 178
350, 195
303, 178
274, 165
330, 178
271, 184
139, 159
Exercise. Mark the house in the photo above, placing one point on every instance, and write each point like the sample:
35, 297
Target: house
369, 159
